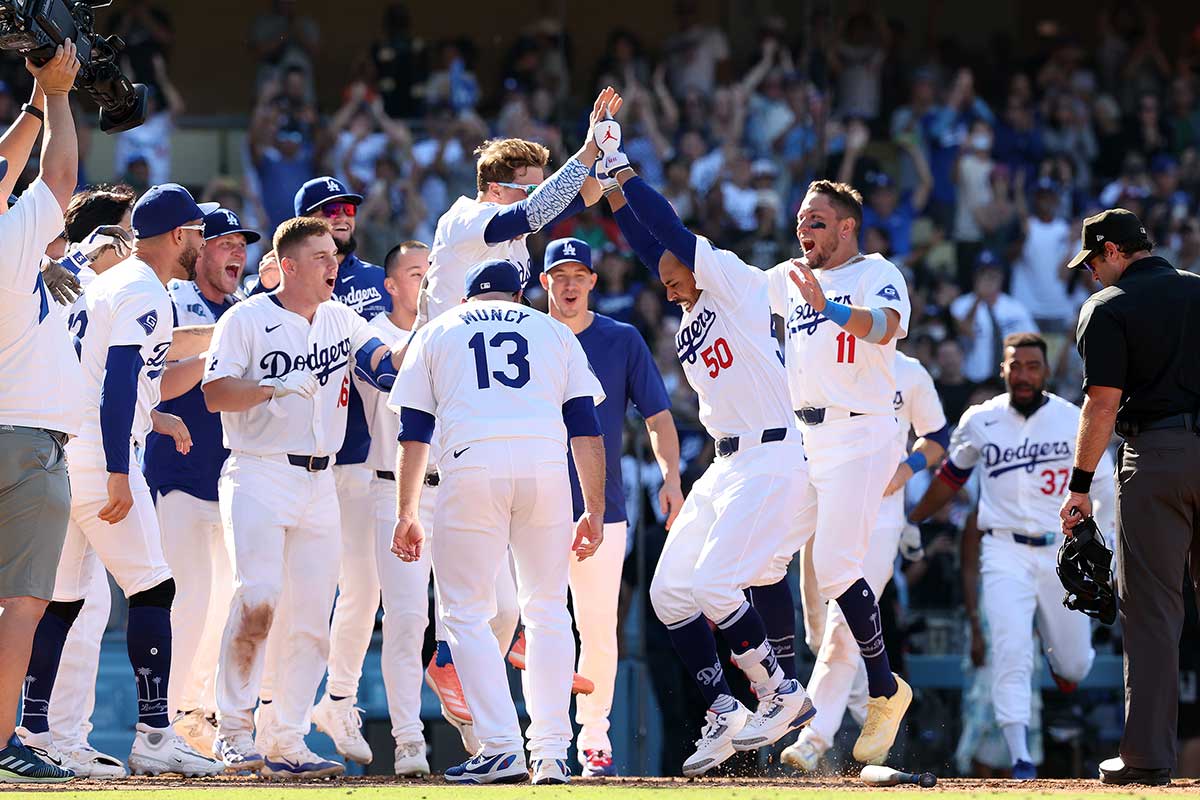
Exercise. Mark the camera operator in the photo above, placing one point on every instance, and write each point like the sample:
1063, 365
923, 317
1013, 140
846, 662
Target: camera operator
40, 396
1139, 338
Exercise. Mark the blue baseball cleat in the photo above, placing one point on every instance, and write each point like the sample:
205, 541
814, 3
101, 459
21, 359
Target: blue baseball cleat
482, 768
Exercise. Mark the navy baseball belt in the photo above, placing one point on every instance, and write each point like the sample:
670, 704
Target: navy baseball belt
815, 416
1032, 541
431, 478
310, 463
728, 445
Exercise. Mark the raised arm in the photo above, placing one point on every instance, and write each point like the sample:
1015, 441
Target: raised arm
60, 148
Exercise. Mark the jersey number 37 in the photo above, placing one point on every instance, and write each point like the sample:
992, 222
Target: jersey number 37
518, 359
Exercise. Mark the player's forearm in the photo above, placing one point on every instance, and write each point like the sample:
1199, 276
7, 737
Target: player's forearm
18, 141
588, 452
235, 394
927, 452
189, 340
656, 215
937, 495
179, 377
1096, 422
60, 149
546, 204
412, 459
874, 325
664, 442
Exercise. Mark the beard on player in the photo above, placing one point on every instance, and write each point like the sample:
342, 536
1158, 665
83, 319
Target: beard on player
187, 262
346, 246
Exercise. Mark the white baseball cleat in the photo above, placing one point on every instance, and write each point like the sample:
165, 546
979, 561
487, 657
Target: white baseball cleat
299, 763
482, 768
198, 731
238, 752
778, 714
722, 723
160, 751
410, 759
548, 771
342, 722
43, 745
804, 755
88, 762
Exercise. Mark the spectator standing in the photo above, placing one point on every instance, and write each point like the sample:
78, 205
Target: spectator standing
148, 35
362, 133
696, 53
1039, 275
151, 140
985, 316
856, 60
952, 386
973, 192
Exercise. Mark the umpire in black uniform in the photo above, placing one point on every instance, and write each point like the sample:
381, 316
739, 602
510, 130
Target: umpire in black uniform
1140, 342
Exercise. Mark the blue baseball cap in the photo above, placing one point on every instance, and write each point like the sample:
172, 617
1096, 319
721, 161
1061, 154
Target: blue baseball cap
567, 251
988, 260
493, 276
223, 222
319, 191
164, 208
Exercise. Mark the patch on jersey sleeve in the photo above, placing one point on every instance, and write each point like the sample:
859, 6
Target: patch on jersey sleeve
888, 293
148, 321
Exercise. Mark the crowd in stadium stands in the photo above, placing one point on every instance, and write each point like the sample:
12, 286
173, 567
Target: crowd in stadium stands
976, 168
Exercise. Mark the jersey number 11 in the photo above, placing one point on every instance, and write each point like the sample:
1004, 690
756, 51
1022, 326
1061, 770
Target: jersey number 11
845, 348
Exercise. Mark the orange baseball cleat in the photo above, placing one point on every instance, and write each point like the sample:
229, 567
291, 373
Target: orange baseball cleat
516, 657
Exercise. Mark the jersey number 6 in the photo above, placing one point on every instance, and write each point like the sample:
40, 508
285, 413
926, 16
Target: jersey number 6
717, 357
519, 358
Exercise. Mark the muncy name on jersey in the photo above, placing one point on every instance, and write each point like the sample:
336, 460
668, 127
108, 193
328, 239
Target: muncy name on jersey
1027, 455
320, 361
805, 318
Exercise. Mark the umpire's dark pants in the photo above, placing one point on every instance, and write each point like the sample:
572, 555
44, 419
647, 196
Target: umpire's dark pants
1158, 537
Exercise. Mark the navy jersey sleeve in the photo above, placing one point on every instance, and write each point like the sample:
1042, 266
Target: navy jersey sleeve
646, 387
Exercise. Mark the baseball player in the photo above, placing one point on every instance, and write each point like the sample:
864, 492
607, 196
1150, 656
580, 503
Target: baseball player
124, 336
185, 488
96, 225
278, 371
843, 313
758, 485
839, 676
619, 357
1025, 442
510, 388
514, 200
360, 287
405, 586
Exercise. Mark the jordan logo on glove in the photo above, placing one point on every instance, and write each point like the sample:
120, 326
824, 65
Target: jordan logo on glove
608, 139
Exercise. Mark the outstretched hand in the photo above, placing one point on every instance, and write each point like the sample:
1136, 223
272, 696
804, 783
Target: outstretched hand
807, 283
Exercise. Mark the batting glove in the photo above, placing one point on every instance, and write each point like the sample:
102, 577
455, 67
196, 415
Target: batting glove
911, 548
295, 382
608, 139
61, 283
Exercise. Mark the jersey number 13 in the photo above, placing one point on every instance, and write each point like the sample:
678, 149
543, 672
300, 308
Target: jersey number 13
518, 358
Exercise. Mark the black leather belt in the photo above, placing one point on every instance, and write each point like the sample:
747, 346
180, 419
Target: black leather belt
1032, 541
729, 445
1185, 421
431, 478
815, 416
310, 463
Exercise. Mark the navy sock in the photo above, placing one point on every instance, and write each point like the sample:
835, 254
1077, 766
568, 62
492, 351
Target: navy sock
697, 649
743, 630
148, 640
778, 612
48, 643
444, 656
862, 615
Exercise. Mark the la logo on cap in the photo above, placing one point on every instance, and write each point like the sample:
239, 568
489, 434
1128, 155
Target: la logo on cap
568, 249
231, 218
332, 185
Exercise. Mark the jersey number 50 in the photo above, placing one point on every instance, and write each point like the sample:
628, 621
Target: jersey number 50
519, 358
717, 357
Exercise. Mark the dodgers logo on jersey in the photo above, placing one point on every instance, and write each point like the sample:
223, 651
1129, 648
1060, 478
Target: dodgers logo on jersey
1028, 455
320, 361
888, 293
358, 299
805, 318
691, 338
148, 321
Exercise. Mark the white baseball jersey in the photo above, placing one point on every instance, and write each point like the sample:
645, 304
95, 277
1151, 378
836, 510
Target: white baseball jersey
1025, 463
728, 349
41, 386
916, 401
494, 370
126, 305
383, 422
826, 366
258, 338
458, 245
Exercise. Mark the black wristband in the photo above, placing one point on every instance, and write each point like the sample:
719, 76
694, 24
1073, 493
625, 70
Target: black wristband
1081, 481
33, 112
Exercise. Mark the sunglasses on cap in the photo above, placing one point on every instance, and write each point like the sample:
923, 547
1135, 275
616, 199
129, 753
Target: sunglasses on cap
527, 188
334, 209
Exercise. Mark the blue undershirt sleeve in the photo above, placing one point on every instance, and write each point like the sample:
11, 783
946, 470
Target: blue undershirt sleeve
118, 403
415, 425
649, 250
580, 417
661, 220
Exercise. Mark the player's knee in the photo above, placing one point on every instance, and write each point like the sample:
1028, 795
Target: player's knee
1072, 665
160, 596
715, 602
671, 604
24, 612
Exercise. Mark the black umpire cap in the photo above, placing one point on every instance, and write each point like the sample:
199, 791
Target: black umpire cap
1115, 225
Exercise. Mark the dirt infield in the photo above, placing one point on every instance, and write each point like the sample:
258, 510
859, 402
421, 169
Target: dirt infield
434, 788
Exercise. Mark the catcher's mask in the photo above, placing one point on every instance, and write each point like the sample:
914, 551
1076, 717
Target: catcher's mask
1083, 568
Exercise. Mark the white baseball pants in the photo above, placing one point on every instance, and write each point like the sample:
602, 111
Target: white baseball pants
508, 494
741, 515
358, 581
194, 545
282, 529
839, 678
1020, 584
74, 696
595, 588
